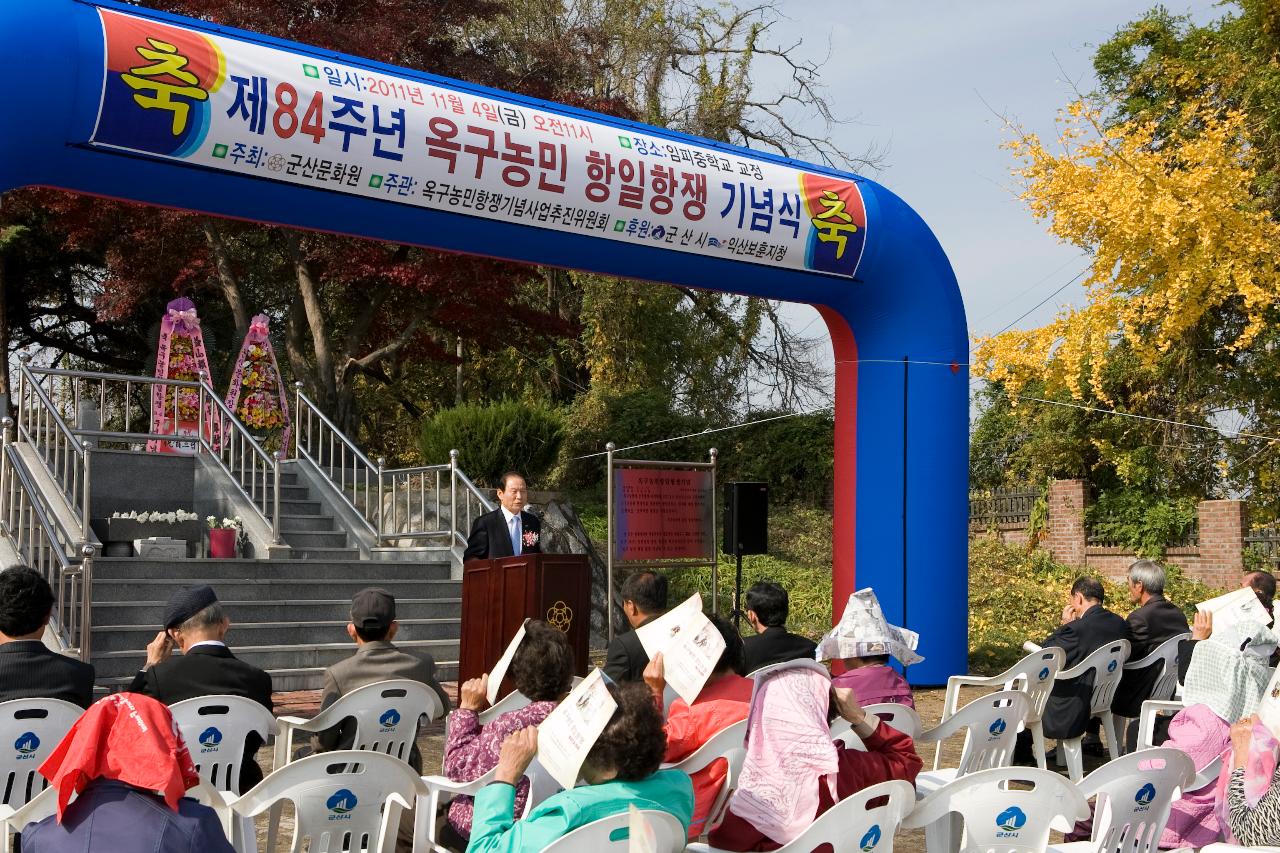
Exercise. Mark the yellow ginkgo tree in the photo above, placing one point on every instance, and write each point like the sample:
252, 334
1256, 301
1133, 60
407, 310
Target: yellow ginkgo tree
1174, 230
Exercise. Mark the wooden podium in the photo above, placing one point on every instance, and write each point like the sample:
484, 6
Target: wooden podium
497, 595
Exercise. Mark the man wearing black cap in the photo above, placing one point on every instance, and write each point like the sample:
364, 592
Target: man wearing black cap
373, 626
194, 622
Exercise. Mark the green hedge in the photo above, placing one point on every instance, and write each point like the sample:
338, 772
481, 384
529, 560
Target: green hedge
495, 438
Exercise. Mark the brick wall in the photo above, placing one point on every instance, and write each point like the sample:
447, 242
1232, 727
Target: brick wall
1066, 536
1223, 525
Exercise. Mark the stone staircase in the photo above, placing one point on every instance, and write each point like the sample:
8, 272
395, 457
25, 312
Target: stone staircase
307, 524
287, 616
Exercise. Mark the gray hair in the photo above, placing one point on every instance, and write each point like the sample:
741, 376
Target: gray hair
211, 617
1149, 574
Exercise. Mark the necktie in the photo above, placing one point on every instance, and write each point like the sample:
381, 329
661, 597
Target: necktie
515, 535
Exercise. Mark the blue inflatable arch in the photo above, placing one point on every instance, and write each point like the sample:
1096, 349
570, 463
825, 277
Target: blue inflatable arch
109, 99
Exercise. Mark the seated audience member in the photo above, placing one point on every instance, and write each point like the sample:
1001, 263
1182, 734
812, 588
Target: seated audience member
644, 598
767, 610
1086, 627
724, 700
1227, 678
1263, 585
793, 771
1155, 620
125, 763
373, 626
864, 641
621, 770
28, 668
195, 623
542, 669
1252, 800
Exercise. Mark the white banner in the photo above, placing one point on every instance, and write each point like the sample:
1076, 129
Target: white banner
237, 106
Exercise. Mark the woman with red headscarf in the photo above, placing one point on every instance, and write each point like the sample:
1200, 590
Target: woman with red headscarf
127, 767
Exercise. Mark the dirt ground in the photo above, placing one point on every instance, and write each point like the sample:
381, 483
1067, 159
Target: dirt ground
431, 745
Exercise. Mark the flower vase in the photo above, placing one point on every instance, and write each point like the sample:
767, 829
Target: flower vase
222, 542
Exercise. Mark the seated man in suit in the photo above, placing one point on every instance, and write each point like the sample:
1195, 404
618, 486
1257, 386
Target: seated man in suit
1155, 620
644, 598
373, 626
1086, 627
767, 610
195, 624
508, 530
28, 668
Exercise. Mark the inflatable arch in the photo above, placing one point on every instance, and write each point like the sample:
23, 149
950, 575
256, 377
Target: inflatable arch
110, 99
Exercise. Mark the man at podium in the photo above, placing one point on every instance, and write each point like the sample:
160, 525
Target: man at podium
507, 531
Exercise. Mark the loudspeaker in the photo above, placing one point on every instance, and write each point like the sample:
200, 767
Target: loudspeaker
746, 518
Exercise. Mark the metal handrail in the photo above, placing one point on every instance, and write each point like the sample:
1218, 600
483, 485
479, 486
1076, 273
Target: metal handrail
65, 456
471, 492
232, 446
44, 545
320, 432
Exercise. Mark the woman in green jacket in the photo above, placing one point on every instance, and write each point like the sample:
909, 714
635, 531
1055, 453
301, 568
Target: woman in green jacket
621, 770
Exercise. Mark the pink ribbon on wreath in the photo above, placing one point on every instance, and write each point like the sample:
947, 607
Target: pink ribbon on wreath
180, 320
259, 335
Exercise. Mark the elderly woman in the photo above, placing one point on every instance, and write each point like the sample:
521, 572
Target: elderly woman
793, 771
542, 669
1253, 788
863, 642
127, 768
620, 770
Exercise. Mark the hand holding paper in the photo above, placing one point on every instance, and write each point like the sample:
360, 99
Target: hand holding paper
568, 733
1241, 605
690, 646
517, 754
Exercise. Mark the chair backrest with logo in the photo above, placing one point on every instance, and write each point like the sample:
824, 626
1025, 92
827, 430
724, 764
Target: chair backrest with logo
991, 726
1134, 794
215, 728
29, 730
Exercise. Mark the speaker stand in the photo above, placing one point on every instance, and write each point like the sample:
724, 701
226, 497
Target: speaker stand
737, 596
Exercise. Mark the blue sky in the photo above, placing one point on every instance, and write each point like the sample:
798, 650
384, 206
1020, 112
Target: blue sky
929, 81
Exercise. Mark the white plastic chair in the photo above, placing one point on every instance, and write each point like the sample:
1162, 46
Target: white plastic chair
729, 744
1033, 675
991, 726
29, 730
45, 804
1151, 709
343, 800
386, 715
852, 824
1166, 656
1107, 665
610, 834
900, 717
1133, 795
438, 791
996, 816
215, 728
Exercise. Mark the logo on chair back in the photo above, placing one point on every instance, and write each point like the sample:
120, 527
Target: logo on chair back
341, 804
997, 728
1111, 667
1044, 673
26, 744
1010, 821
210, 739
1143, 798
389, 720
871, 839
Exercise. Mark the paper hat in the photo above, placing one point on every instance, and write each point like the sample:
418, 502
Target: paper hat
864, 632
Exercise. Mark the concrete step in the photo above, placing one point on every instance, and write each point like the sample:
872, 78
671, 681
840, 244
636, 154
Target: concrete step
123, 664
309, 539
322, 523
283, 571
259, 610
243, 589
115, 638
299, 507
320, 552
287, 493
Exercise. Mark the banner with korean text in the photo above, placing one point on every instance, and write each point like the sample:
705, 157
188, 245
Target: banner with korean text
237, 106
663, 514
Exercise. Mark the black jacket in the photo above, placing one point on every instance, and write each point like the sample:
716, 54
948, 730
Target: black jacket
208, 671
625, 658
1067, 712
489, 538
1149, 626
775, 645
31, 670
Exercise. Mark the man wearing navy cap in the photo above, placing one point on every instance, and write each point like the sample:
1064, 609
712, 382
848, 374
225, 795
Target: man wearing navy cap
194, 623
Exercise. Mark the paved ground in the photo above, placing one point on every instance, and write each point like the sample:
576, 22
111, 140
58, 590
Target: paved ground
431, 745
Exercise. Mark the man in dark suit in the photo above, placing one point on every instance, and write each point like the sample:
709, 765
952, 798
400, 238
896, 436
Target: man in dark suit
767, 610
644, 598
28, 668
508, 530
1086, 627
373, 626
195, 624
1155, 620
